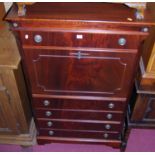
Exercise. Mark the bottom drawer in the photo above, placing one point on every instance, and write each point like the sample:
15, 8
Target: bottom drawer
79, 134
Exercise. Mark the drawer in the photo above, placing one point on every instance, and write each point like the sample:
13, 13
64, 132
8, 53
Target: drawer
78, 104
79, 134
79, 125
78, 115
76, 39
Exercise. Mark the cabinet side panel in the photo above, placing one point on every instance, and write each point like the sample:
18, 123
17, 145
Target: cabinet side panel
24, 98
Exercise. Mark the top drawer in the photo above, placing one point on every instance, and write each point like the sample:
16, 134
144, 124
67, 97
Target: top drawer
73, 39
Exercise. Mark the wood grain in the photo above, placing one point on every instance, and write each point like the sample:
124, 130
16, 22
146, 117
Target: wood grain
9, 55
79, 68
2, 13
79, 103
78, 114
79, 134
69, 124
103, 12
68, 39
15, 120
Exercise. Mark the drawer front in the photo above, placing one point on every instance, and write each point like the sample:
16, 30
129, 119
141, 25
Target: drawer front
70, 39
78, 104
78, 115
87, 73
79, 125
79, 134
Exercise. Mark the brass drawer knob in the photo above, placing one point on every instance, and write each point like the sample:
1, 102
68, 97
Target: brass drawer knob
105, 135
46, 102
26, 36
145, 29
51, 133
109, 116
48, 113
111, 105
107, 126
38, 38
121, 41
15, 24
49, 124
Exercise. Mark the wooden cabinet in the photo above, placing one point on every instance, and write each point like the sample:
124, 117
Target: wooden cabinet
16, 123
7, 125
15, 115
2, 13
80, 61
146, 117
143, 104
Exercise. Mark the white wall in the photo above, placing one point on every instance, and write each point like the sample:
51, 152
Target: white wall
7, 5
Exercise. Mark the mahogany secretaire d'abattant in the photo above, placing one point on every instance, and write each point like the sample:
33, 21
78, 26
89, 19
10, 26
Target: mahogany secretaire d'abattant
80, 61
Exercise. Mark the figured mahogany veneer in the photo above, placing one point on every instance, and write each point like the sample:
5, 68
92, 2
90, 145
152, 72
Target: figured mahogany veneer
79, 114
80, 61
105, 73
79, 104
80, 134
139, 6
69, 39
47, 139
80, 124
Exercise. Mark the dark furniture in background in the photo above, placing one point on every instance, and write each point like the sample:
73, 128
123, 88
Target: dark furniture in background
80, 61
16, 121
142, 113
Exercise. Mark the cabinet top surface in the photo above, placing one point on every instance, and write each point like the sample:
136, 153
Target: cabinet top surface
93, 12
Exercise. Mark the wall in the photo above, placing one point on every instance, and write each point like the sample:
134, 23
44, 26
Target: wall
7, 5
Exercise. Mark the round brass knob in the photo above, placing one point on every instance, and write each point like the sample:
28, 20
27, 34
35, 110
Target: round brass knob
109, 116
26, 36
48, 113
121, 41
145, 29
105, 135
46, 102
38, 38
49, 124
111, 105
15, 24
51, 133
107, 126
